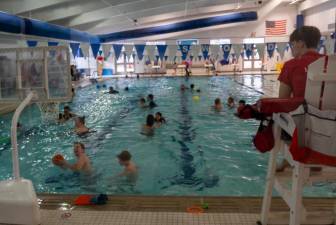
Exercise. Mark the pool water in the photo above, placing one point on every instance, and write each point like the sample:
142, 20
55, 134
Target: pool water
198, 152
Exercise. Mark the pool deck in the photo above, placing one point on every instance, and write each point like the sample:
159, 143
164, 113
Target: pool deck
170, 210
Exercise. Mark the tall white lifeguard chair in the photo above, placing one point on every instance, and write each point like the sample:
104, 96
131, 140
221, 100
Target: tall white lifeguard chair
313, 128
29, 75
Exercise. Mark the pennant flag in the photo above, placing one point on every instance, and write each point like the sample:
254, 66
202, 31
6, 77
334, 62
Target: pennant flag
172, 50
157, 58
74, 48
161, 50
270, 49
85, 49
226, 49
95, 48
184, 50
281, 47
237, 49
248, 50
106, 50
261, 49
195, 49
205, 50
117, 50
31, 43
128, 50
140, 51
150, 51
52, 43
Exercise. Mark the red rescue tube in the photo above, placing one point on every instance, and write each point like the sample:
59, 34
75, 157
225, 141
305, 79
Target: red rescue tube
267, 106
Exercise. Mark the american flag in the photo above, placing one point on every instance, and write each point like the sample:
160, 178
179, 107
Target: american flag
277, 27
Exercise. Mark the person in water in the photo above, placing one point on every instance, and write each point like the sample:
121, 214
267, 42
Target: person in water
192, 86
142, 103
159, 119
230, 102
126, 89
112, 91
150, 98
218, 105
80, 127
130, 169
82, 164
148, 128
67, 114
183, 87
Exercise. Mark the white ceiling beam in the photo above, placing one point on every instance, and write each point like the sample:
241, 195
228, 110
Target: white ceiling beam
159, 17
22, 6
308, 4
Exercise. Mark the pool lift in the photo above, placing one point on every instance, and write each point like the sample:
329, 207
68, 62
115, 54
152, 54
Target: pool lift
315, 125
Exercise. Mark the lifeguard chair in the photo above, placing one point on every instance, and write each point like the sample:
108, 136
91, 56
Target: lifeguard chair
313, 130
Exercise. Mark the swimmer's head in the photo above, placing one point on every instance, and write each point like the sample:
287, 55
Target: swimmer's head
182, 87
80, 120
124, 157
79, 148
192, 86
142, 101
217, 101
198, 90
111, 88
230, 100
242, 103
126, 88
158, 115
150, 120
66, 109
150, 97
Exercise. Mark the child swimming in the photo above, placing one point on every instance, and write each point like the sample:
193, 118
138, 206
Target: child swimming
150, 98
218, 105
159, 119
148, 128
80, 127
230, 102
67, 114
112, 91
130, 169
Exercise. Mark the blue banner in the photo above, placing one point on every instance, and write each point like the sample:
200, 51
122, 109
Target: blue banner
95, 49
74, 48
52, 43
226, 49
117, 50
248, 50
31, 43
100, 52
140, 51
270, 49
161, 50
184, 50
205, 50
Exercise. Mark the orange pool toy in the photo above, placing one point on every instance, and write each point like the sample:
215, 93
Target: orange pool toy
57, 159
195, 210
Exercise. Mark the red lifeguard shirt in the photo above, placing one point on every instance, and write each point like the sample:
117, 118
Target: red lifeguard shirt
294, 72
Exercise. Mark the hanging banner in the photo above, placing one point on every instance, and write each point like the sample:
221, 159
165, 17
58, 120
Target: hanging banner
106, 50
140, 51
117, 50
85, 49
248, 50
161, 50
128, 50
270, 49
226, 50
52, 43
95, 48
74, 48
237, 49
281, 47
157, 58
260, 49
31, 43
150, 51
184, 50
205, 51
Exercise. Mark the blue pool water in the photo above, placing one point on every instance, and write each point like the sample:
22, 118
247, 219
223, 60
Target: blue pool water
198, 151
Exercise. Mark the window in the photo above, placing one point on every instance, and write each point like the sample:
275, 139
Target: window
220, 41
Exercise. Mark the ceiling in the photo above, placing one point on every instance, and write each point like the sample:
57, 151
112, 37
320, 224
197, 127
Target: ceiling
105, 16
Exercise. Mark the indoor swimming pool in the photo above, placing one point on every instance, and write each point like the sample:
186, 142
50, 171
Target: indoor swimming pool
197, 152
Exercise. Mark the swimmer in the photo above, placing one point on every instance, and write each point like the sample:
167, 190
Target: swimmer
230, 102
83, 162
148, 128
112, 91
80, 127
159, 119
218, 105
183, 87
142, 103
126, 89
130, 169
192, 86
150, 98
67, 114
